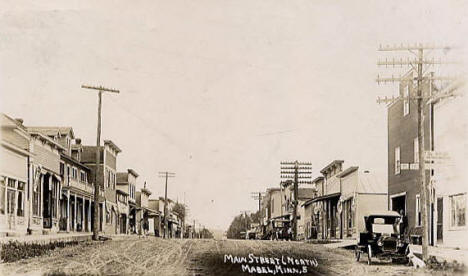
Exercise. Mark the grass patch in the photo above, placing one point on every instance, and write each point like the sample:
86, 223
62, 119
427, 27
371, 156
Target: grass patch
14, 251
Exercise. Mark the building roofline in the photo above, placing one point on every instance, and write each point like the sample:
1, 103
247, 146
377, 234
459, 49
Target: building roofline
333, 163
112, 145
347, 171
133, 172
317, 179
45, 138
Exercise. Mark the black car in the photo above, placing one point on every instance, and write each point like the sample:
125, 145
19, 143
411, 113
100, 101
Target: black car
381, 238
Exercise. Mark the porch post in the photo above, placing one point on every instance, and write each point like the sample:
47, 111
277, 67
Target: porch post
74, 218
83, 214
68, 211
89, 215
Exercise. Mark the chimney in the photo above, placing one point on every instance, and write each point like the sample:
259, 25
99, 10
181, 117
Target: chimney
20, 121
78, 141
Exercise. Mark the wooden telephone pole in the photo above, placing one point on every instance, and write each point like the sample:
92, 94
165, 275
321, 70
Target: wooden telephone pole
166, 175
293, 172
417, 65
258, 196
98, 145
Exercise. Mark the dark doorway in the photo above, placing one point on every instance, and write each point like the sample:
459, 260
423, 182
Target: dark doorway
399, 203
440, 220
47, 201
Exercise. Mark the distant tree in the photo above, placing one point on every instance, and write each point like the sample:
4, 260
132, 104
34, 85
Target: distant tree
206, 234
179, 209
241, 223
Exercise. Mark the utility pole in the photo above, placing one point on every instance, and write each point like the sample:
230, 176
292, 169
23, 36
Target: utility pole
258, 196
422, 98
98, 145
293, 172
166, 175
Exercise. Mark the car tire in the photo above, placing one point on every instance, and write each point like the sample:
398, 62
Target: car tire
357, 253
369, 255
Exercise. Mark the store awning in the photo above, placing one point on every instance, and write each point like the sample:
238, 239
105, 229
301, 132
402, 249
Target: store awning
325, 197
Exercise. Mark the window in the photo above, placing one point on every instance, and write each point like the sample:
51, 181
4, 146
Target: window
418, 210
62, 169
74, 173
11, 194
108, 178
108, 217
272, 204
406, 100
397, 160
35, 195
458, 210
20, 201
83, 176
416, 150
2, 196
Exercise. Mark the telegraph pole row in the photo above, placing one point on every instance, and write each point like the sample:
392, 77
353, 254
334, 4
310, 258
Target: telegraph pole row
422, 98
293, 172
166, 175
98, 145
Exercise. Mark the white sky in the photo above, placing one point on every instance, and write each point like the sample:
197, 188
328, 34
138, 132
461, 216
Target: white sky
218, 92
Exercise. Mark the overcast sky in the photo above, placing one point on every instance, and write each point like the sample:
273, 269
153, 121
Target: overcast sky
219, 92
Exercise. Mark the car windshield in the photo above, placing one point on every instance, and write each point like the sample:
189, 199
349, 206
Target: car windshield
384, 228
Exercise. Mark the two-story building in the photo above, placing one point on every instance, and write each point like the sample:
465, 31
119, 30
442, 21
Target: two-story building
15, 207
76, 191
126, 198
314, 213
107, 181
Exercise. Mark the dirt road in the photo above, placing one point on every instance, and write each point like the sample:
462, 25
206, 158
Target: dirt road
154, 256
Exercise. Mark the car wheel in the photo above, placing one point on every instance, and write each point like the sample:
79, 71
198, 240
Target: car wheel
369, 255
357, 253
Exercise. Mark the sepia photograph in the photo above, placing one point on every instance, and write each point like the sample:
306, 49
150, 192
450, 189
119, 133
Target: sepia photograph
233, 137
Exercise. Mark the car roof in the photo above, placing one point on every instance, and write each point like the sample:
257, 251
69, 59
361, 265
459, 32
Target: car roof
383, 214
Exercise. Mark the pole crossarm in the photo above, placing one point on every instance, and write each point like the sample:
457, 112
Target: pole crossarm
408, 47
400, 78
402, 62
100, 88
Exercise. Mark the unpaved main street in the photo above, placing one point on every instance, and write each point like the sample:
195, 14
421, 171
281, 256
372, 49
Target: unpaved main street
155, 256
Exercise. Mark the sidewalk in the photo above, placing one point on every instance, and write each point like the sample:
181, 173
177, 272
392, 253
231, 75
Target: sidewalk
44, 239
443, 253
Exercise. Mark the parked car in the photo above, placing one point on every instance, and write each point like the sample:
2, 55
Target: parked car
381, 238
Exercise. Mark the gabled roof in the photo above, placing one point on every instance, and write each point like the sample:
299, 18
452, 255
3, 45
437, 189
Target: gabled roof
332, 164
52, 131
112, 145
45, 138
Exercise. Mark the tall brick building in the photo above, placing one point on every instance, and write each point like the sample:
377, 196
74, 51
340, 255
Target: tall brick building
403, 173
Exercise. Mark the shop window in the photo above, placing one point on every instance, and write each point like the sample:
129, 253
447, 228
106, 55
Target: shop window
20, 201
458, 210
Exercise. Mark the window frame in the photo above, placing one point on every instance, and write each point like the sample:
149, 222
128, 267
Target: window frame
451, 203
406, 101
418, 213
397, 166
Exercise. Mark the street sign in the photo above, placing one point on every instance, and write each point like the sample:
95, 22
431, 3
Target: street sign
435, 155
409, 166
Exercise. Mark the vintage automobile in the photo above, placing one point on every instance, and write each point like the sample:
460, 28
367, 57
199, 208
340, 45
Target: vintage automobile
381, 238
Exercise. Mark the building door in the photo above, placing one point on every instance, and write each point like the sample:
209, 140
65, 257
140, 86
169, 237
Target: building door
440, 219
47, 202
399, 203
